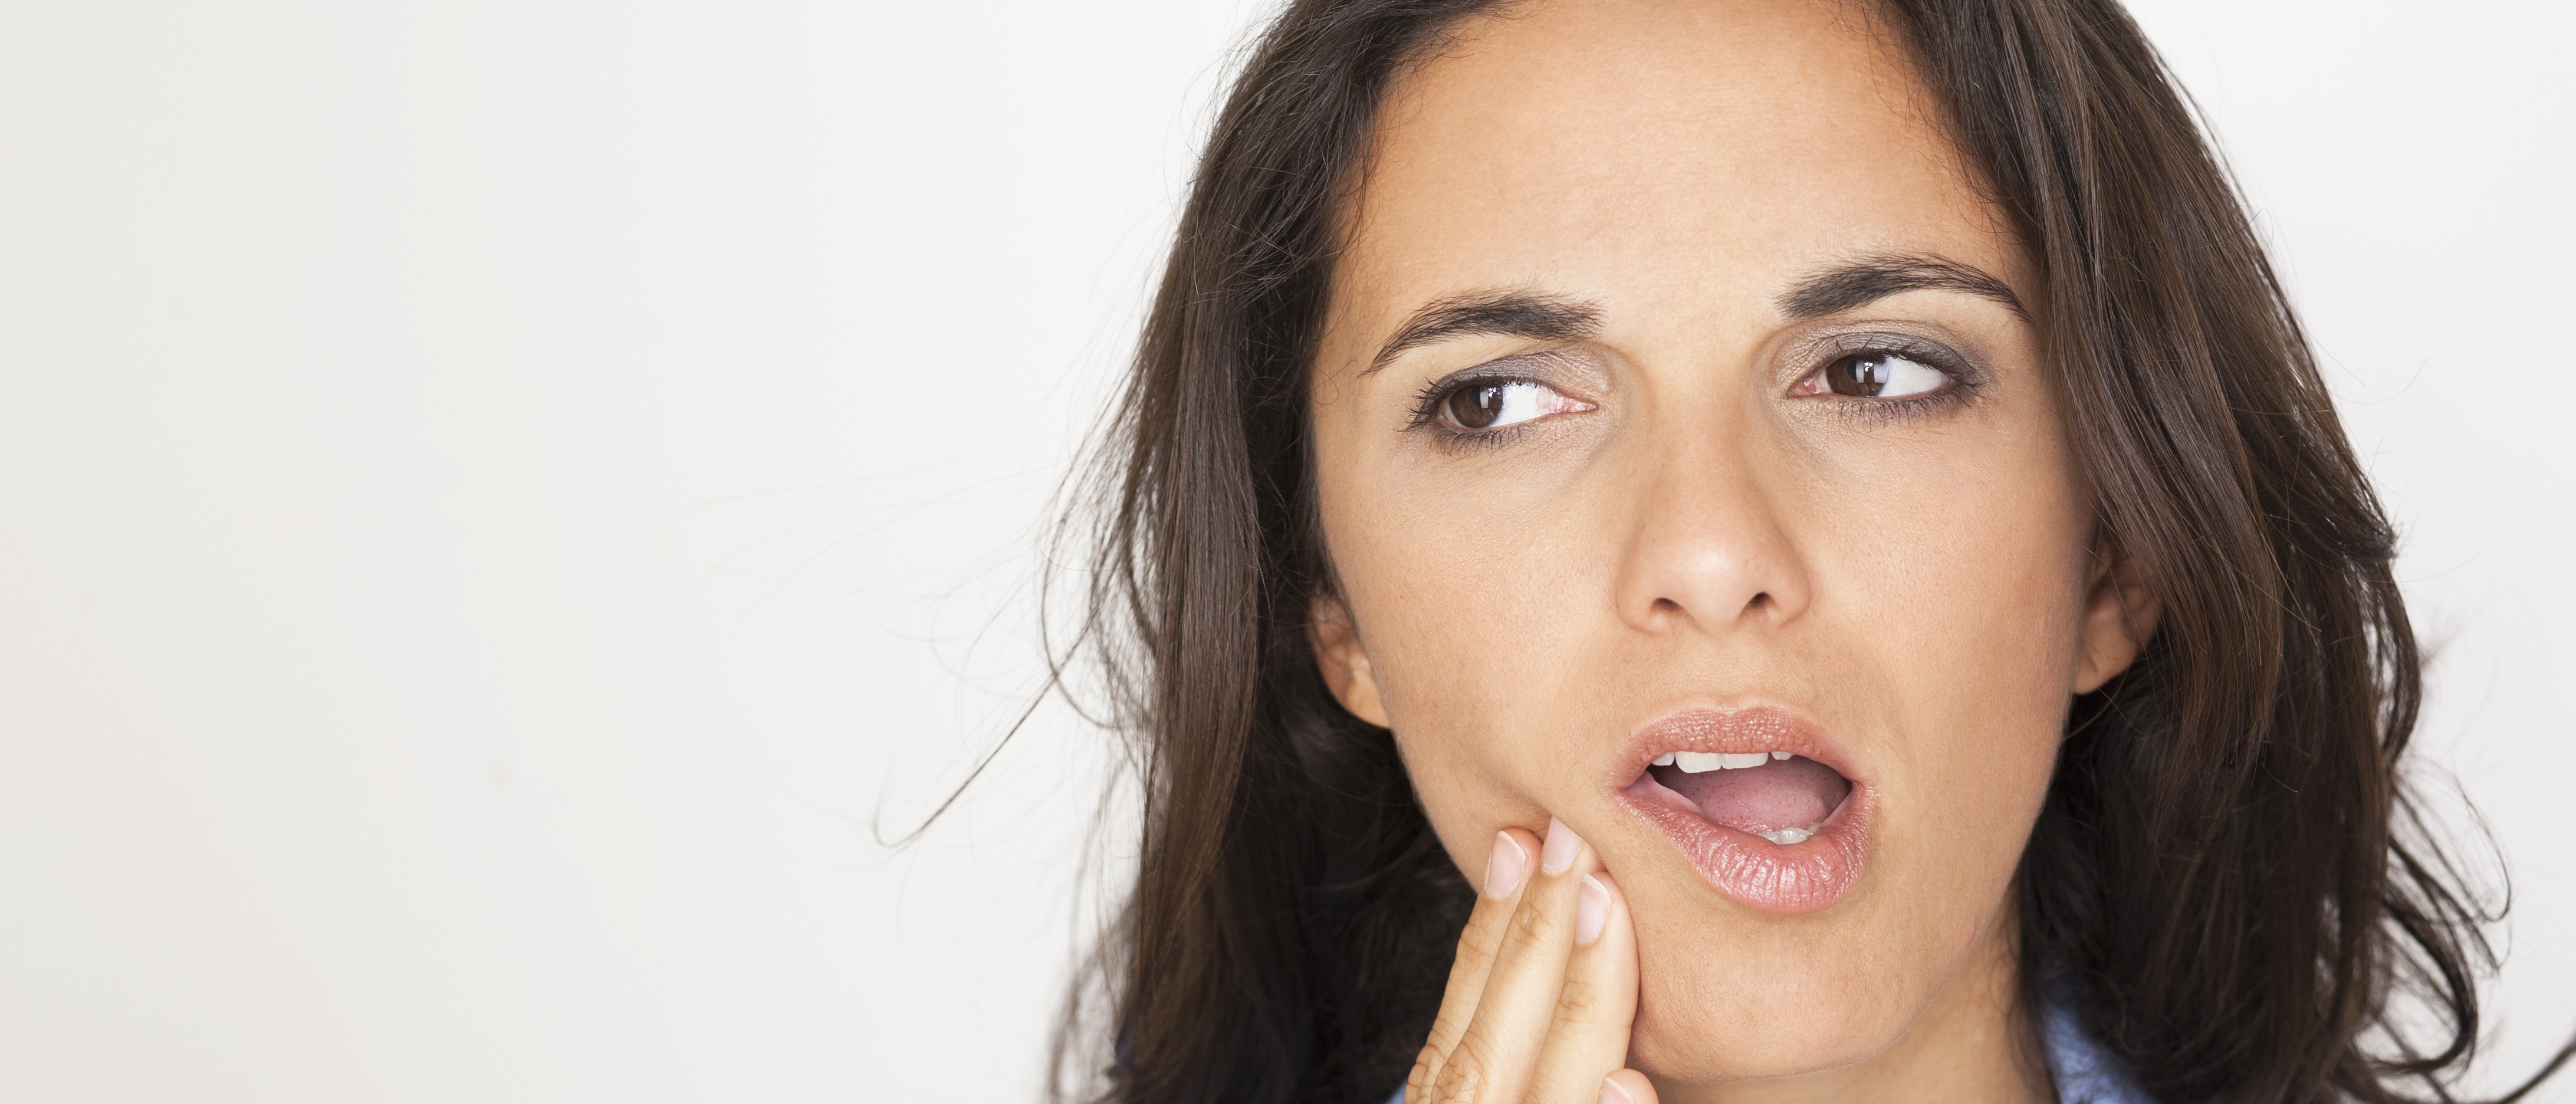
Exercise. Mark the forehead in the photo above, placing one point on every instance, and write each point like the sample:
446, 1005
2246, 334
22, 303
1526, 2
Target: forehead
1654, 153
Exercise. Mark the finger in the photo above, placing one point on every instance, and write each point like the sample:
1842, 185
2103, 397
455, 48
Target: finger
1492, 1062
1507, 871
1598, 1006
1627, 1086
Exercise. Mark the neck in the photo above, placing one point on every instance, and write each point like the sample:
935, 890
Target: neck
1972, 1045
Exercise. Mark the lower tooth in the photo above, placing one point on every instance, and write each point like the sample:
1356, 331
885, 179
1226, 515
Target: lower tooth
1790, 835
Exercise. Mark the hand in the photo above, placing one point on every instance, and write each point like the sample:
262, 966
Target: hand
1545, 987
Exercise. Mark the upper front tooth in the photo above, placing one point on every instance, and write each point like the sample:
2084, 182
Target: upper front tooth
1779, 755
1695, 762
1748, 759
1665, 760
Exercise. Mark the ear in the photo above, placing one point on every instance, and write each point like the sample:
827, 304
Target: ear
1344, 662
2120, 612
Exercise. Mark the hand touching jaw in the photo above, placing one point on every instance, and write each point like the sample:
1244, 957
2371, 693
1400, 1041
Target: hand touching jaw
1544, 990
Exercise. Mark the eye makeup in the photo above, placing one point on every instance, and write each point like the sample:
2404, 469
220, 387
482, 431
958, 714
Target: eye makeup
1493, 403
1877, 375
1883, 376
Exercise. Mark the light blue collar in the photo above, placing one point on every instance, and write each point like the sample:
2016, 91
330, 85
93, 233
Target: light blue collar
2083, 1072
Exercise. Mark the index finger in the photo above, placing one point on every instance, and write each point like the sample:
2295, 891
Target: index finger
1507, 873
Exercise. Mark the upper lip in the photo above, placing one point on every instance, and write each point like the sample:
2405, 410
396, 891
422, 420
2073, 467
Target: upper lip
1739, 730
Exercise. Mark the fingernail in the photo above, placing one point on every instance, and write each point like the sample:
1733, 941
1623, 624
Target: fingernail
1505, 869
1561, 846
1591, 911
1611, 1093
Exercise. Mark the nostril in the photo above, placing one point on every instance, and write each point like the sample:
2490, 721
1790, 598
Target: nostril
1760, 601
1667, 605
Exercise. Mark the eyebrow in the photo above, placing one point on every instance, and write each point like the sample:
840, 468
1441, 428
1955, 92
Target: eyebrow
1870, 279
1522, 314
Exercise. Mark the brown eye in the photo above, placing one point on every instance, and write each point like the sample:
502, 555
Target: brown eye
1480, 405
1882, 375
1477, 406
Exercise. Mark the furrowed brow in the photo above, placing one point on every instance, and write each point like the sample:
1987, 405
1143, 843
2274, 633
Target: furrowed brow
1491, 314
1870, 279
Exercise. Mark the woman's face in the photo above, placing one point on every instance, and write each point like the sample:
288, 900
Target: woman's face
1681, 395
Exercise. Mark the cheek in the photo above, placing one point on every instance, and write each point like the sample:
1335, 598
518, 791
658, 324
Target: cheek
1961, 611
1448, 694
1474, 610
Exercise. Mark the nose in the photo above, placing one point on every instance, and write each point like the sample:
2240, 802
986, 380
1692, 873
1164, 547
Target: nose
1706, 550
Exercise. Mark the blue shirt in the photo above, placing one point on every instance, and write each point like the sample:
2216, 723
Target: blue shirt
2083, 1072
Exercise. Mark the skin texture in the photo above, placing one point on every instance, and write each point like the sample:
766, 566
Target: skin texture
1693, 529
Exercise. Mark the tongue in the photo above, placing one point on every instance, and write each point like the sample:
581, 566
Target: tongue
1796, 792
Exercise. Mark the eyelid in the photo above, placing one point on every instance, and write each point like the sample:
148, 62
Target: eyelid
1501, 370
1817, 355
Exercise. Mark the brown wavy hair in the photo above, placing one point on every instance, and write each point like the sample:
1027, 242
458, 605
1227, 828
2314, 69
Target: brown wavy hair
2229, 868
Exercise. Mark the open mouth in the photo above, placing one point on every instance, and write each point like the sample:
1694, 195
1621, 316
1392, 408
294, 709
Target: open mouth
1780, 796
1753, 803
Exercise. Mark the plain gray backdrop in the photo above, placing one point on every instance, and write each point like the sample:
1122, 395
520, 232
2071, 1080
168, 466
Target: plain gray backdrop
503, 504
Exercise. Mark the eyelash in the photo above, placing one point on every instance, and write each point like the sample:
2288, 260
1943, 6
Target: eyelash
1427, 404
1965, 379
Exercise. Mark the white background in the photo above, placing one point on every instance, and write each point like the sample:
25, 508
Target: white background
497, 498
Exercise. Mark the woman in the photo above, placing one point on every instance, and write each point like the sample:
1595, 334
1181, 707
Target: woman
1748, 551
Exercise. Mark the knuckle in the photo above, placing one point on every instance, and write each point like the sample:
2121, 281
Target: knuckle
1580, 1004
1533, 925
1476, 945
1462, 1077
1418, 1085
1485, 932
1447, 1025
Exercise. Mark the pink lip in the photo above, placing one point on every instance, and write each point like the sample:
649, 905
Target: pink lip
1752, 871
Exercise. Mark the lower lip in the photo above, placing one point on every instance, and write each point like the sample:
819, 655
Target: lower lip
1759, 874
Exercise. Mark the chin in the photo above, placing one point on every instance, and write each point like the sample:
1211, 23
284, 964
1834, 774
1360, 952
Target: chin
1704, 1020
